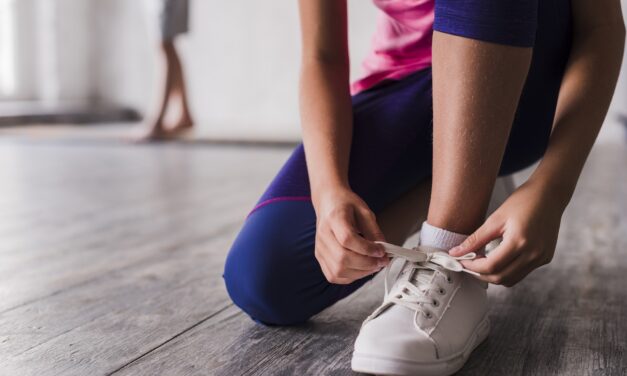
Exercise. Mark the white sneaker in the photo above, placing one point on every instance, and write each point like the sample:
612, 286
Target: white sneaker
430, 321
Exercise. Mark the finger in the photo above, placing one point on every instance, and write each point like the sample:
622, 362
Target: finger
352, 260
367, 223
517, 273
512, 274
495, 261
353, 275
347, 235
489, 231
326, 270
323, 265
343, 276
340, 258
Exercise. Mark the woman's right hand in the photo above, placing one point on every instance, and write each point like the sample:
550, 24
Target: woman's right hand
346, 232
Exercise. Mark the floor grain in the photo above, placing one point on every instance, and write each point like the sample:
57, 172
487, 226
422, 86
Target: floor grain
111, 260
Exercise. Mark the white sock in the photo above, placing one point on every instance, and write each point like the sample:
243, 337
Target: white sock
436, 237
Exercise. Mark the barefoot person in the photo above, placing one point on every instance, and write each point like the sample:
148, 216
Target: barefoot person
452, 98
173, 21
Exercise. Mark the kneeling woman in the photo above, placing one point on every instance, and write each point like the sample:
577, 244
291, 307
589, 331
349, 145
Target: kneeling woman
453, 97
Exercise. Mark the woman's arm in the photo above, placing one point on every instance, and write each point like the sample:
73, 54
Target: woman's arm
529, 220
325, 104
346, 228
585, 95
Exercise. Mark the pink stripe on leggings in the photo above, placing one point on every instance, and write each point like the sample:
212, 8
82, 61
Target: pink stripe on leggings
277, 199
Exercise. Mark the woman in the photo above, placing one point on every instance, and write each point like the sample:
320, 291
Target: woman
173, 18
453, 97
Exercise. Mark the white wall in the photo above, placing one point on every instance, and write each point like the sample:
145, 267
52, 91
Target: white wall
241, 58
51, 50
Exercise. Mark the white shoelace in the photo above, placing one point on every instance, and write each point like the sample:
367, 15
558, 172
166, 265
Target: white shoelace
414, 292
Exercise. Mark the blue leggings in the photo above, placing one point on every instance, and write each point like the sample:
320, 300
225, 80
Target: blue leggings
271, 272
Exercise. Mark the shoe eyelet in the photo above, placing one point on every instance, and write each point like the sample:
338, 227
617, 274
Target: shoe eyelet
449, 279
441, 291
436, 303
428, 315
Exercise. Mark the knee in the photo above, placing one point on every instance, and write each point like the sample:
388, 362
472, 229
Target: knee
260, 285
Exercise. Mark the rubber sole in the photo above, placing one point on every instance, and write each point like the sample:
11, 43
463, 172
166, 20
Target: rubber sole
441, 367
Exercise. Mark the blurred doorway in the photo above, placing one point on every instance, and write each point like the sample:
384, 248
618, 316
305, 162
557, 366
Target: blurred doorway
47, 64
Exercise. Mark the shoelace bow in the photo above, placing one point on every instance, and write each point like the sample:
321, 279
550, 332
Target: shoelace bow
407, 292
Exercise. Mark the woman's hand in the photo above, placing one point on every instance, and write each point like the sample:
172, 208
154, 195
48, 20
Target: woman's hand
345, 234
528, 221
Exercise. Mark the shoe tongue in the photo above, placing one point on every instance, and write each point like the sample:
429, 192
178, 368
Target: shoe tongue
419, 277
422, 278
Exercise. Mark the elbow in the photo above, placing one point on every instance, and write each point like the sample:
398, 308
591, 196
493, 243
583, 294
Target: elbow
618, 32
619, 35
325, 60
617, 41
607, 40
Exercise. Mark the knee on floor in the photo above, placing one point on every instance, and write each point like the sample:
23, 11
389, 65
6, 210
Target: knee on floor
263, 288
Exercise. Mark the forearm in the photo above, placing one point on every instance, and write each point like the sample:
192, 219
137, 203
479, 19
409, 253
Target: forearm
325, 103
326, 120
585, 95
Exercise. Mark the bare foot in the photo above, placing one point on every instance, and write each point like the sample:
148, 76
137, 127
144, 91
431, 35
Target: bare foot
185, 124
152, 133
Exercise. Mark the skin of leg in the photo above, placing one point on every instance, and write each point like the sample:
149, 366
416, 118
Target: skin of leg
476, 89
179, 88
156, 128
168, 53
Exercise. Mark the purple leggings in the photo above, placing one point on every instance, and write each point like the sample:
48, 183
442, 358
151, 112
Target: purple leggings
271, 272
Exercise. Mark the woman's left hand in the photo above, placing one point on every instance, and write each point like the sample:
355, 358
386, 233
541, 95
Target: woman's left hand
528, 221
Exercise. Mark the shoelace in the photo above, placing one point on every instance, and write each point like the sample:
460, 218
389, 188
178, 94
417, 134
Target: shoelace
413, 294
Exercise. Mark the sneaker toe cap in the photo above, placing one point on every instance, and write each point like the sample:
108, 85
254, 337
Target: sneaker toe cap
393, 335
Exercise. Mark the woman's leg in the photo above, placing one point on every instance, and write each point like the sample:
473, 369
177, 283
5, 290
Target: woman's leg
476, 89
179, 88
271, 271
156, 127
477, 85
434, 316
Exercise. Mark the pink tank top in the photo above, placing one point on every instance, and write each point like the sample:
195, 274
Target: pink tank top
401, 44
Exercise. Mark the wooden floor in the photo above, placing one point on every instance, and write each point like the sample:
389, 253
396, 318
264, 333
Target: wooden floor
111, 259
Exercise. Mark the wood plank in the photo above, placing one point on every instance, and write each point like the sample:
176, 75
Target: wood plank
132, 233
104, 324
133, 298
232, 344
567, 318
123, 293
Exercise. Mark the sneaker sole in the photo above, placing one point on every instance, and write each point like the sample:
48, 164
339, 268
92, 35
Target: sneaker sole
442, 367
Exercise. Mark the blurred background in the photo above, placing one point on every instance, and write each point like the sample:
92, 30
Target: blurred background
95, 60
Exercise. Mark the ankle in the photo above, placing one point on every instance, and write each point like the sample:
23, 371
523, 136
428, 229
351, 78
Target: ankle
432, 236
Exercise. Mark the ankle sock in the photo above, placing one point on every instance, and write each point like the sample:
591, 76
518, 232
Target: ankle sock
436, 237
